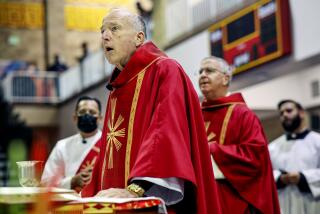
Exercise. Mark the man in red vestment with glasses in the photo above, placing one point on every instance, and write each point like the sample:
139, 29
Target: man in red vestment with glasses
153, 140
238, 147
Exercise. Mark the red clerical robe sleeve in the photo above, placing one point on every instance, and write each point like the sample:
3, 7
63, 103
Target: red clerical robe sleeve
245, 162
174, 144
168, 133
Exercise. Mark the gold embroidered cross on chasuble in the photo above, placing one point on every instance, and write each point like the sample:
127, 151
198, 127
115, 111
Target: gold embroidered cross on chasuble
114, 133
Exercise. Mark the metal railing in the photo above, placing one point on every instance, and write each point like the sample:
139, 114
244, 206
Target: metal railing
31, 88
53, 87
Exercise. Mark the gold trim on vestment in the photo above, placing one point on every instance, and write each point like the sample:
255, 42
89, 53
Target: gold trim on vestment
104, 158
211, 135
130, 126
225, 124
223, 104
131, 119
96, 149
114, 133
88, 165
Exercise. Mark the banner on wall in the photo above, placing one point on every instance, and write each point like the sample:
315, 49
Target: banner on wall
84, 18
112, 2
87, 15
21, 15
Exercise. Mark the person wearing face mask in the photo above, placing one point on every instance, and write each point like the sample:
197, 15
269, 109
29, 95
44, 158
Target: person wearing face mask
295, 158
72, 159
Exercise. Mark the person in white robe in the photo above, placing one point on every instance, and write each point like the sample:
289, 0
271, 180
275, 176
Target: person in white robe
62, 167
295, 157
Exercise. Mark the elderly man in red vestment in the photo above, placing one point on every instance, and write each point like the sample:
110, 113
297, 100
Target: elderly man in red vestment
153, 140
238, 147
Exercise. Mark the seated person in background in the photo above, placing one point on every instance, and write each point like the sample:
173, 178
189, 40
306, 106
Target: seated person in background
32, 68
295, 158
57, 65
72, 159
240, 156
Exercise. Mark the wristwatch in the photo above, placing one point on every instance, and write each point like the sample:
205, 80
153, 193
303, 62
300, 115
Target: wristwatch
136, 189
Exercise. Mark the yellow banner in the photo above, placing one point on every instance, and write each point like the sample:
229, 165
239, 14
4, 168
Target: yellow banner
87, 15
84, 18
113, 2
21, 15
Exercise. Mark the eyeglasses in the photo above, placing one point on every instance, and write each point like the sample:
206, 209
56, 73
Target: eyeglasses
209, 71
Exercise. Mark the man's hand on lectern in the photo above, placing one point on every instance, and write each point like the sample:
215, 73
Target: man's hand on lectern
116, 193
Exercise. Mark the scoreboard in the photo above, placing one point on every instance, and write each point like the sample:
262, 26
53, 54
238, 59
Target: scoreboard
254, 35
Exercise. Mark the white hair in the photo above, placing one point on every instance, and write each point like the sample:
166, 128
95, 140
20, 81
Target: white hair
224, 66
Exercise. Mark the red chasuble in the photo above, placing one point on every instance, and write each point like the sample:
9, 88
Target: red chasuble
153, 128
239, 148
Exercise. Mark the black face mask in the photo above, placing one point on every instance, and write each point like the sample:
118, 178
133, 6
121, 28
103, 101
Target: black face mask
292, 125
87, 123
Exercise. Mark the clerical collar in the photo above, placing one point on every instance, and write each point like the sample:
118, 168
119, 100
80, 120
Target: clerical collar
109, 87
235, 98
114, 75
85, 140
298, 136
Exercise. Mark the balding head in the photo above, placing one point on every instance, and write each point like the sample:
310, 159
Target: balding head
135, 20
122, 33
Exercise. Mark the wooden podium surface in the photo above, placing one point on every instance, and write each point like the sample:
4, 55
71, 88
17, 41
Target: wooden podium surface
38, 200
